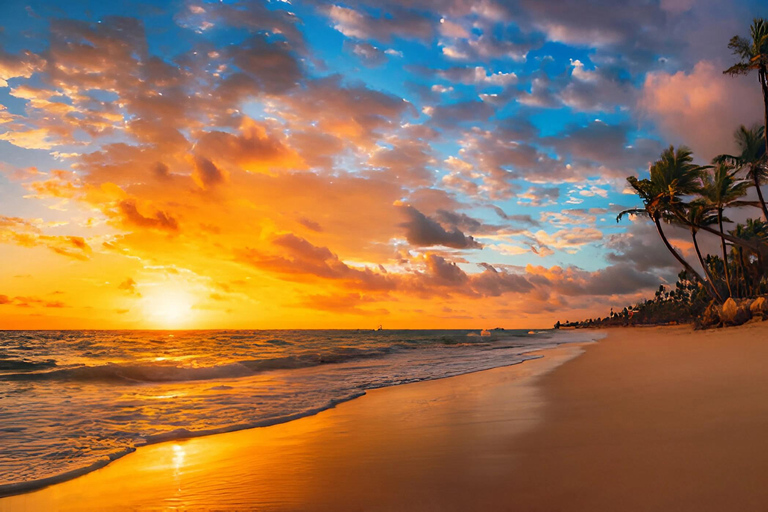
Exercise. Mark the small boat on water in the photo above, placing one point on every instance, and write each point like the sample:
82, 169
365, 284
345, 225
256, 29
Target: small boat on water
485, 332
379, 328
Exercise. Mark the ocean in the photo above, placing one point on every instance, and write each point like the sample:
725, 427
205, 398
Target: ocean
71, 401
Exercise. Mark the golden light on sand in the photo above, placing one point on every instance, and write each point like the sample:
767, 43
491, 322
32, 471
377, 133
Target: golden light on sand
178, 458
168, 307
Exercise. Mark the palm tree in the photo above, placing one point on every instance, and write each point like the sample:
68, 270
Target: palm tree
752, 158
673, 176
758, 230
648, 210
754, 229
738, 257
753, 53
721, 190
699, 214
759, 246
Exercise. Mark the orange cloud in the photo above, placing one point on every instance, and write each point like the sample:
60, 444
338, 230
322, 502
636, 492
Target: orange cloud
29, 233
158, 220
254, 149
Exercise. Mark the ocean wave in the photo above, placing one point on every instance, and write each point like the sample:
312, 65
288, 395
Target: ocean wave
183, 433
31, 485
128, 373
24, 365
278, 341
134, 373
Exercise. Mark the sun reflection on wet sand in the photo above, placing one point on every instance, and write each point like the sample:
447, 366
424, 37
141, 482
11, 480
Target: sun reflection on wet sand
178, 459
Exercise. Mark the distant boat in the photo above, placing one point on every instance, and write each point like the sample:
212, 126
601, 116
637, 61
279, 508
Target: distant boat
379, 328
485, 332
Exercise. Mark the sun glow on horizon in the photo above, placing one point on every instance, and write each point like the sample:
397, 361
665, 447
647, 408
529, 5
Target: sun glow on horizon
168, 307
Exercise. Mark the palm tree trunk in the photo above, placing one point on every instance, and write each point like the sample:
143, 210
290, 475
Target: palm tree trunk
679, 258
748, 244
762, 75
717, 296
756, 179
743, 268
725, 252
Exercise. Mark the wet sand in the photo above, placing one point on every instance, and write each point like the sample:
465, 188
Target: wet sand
647, 419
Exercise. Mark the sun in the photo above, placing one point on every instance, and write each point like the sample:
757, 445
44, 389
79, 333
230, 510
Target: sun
168, 307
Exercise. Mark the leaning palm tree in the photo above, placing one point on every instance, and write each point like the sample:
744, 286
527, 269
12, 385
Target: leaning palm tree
721, 190
753, 53
759, 246
676, 176
698, 214
752, 158
673, 176
651, 209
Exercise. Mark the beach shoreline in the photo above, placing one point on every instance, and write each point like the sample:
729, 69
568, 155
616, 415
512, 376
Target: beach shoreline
180, 435
666, 419
72, 494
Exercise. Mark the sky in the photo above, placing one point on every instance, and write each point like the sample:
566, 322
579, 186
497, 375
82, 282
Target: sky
312, 164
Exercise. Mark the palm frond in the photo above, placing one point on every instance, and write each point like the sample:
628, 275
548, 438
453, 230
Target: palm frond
726, 159
632, 211
753, 52
738, 69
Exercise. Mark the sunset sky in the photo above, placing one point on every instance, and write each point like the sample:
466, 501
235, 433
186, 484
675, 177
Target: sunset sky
436, 164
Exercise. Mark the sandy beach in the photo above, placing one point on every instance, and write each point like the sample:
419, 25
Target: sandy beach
646, 419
